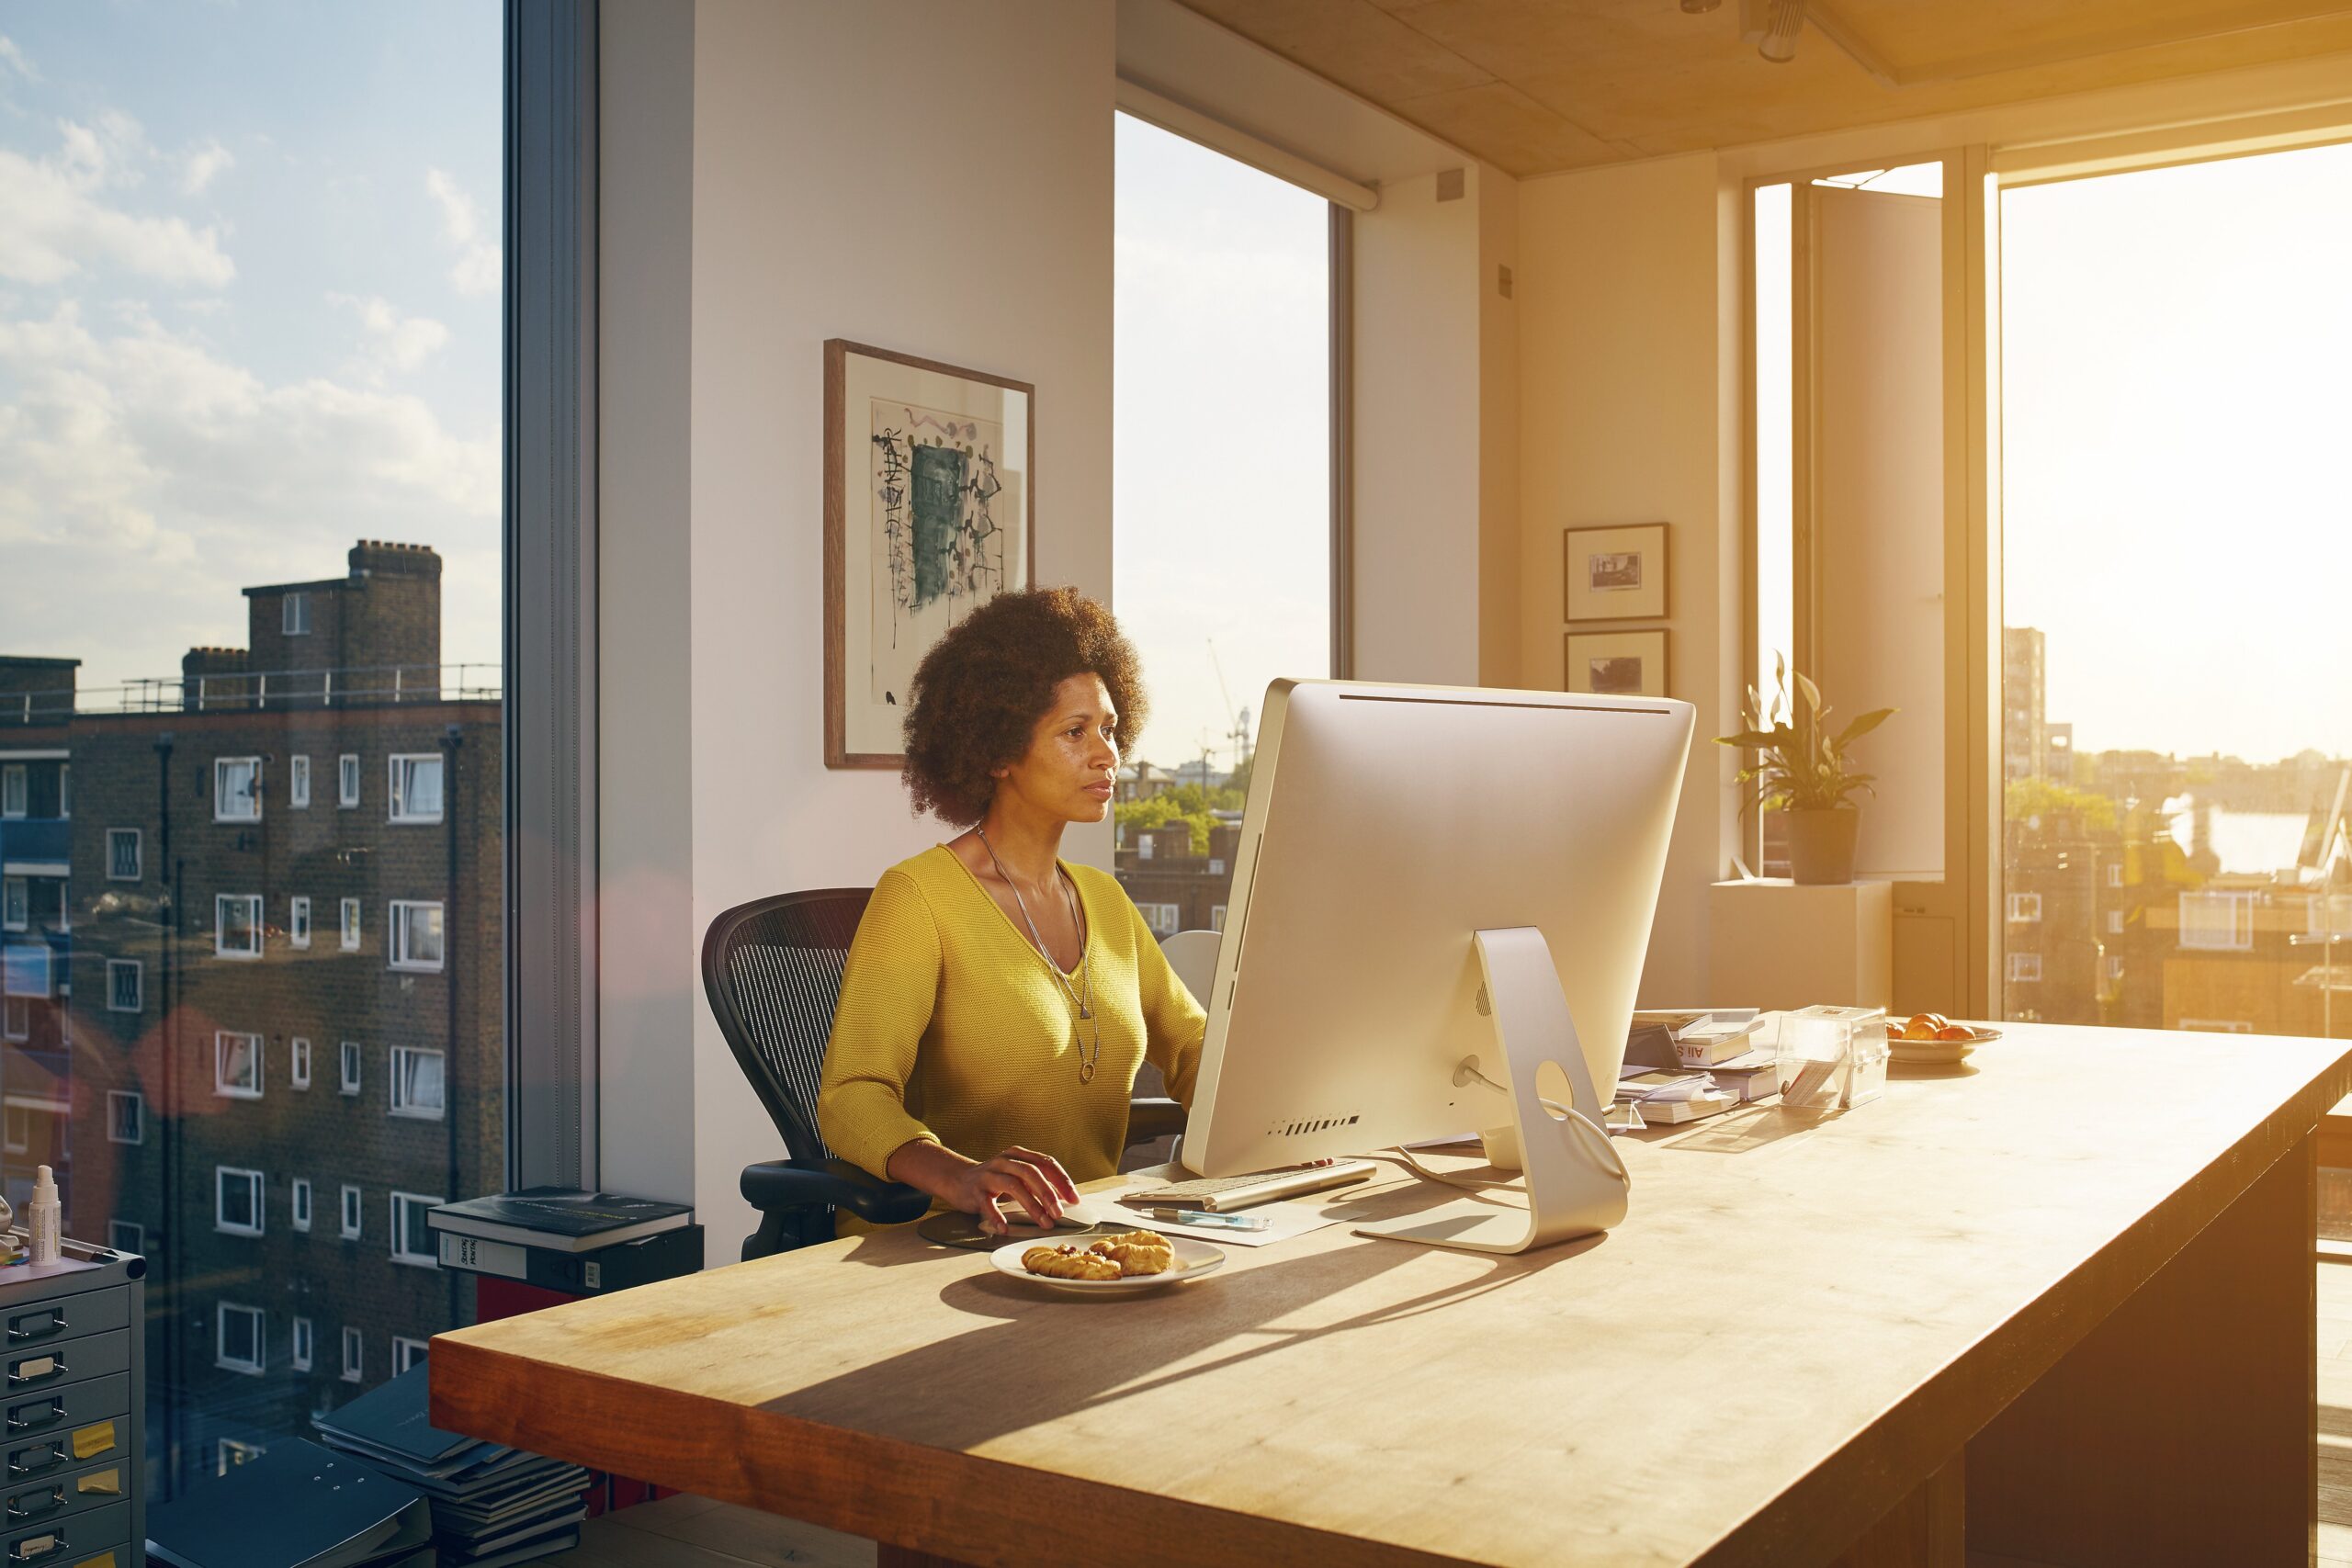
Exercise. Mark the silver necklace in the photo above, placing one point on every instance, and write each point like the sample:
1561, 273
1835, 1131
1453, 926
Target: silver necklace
1083, 998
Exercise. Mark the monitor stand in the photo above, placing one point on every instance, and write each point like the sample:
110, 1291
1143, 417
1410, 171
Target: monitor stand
1575, 1183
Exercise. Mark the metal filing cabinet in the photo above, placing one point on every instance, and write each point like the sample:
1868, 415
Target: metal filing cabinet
73, 1411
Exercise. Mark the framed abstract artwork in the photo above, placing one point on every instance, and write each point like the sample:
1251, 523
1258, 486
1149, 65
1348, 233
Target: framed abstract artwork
930, 513
1615, 574
1617, 664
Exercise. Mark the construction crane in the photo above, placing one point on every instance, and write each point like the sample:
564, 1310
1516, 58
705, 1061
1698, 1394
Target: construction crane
1237, 722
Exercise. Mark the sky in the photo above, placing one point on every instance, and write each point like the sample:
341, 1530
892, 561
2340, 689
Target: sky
249, 313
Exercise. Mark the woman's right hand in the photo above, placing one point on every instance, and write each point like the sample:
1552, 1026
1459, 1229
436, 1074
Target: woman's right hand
1036, 1182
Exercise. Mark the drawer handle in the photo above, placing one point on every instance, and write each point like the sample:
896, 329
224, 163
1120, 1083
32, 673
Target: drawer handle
18, 1467
18, 1333
20, 1422
39, 1547
54, 1369
18, 1513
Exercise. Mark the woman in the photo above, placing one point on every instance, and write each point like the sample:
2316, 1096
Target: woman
997, 999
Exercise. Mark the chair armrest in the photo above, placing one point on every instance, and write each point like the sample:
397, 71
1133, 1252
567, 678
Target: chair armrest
806, 1184
1150, 1119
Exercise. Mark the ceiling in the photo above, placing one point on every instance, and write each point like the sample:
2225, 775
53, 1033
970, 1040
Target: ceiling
1538, 87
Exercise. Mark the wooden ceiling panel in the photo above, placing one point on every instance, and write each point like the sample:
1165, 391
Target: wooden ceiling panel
1510, 129
1939, 42
1353, 43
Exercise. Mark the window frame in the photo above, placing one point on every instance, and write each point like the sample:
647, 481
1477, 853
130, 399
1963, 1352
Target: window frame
15, 791
396, 795
137, 969
306, 1344
297, 1067
2242, 905
355, 1354
138, 1104
298, 781
346, 781
138, 871
222, 1087
298, 919
299, 1200
348, 920
120, 1231
2017, 962
402, 1055
351, 1213
400, 935
404, 1250
223, 1176
294, 613
2025, 908
220, 794
15, 903
257, 918
407, 1352
350, 1068
13, 1009
260, 1321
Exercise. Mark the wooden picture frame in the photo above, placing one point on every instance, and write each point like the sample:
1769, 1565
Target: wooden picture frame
930, 510
1619, 664
1615, 574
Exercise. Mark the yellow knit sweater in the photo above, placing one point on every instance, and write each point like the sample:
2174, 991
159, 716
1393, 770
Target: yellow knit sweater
951, 1025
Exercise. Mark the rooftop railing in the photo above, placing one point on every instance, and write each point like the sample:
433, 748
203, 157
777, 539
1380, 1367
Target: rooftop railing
251, 691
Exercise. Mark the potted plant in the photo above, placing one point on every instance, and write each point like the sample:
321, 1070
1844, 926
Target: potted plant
1804, 769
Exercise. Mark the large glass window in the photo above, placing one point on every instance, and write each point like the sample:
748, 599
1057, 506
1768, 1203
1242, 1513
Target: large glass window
1222, 570
250, 305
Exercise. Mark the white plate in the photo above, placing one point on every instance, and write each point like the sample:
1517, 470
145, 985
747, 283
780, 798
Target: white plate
1193, 1259
1934, 1052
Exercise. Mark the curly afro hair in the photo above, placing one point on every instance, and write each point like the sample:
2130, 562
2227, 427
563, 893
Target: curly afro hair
981, 691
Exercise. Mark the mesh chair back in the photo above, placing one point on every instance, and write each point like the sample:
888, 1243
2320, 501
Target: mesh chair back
772, 969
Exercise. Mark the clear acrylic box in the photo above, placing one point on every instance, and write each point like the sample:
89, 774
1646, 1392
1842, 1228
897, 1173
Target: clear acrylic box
1831, 1058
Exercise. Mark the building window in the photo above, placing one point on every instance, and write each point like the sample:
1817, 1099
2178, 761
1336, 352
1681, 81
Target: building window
416, 787
295, 615
15, 903
416, 935
412, 1237
300, 1070
237, 1343
236, 1065
236, 1201
297, 921
125, 1116
236, 789
301, 1202
305, 1344
127, 1235
15, 1128
1161, 918
2115, 923
298, 782
2115, 874
406, 1353
352, 1348
2216, 1026
350, 913
418, 1087
2025, 908
349, 1065
2025, 968
1217, 917
346, 779
2217, 922
13, 793
351, 1214
15, 1019
126, 985
122, 854
236, 925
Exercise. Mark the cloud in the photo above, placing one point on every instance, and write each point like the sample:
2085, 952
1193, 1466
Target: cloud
476, 270
390, 340
59, 223
200, 165
13, 58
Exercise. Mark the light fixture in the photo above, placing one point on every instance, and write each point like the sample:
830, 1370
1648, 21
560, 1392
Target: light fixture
1773, 26
1699, 7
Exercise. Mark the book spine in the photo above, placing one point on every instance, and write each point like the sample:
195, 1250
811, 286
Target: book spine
475, 1255
663, 1256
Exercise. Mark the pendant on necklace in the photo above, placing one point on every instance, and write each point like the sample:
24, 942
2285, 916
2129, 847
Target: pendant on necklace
1084, 1011
1085, 1072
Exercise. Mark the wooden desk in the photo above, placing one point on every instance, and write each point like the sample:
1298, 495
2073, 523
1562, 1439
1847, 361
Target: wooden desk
2066, 1297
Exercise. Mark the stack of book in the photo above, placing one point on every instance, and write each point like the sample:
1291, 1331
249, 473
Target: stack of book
293, 1505
1700, 1039
560, 1238
490, 1506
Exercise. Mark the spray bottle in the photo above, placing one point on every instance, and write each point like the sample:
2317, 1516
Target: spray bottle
40, 1216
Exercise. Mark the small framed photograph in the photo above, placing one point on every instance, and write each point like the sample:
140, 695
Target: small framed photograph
1617, 664
1616, 574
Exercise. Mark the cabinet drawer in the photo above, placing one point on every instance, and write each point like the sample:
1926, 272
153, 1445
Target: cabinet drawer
53, 1364
66, 1317
27, 1504
69, 1543
53, 1411
65, 1448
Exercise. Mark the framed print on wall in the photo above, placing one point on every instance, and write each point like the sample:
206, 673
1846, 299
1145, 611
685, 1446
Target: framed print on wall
1615, 574
1617, 664
930, 513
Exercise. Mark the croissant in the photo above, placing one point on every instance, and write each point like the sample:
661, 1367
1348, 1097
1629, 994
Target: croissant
1067, 1263
1137, 1252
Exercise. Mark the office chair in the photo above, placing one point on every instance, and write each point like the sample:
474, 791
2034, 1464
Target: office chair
772, 969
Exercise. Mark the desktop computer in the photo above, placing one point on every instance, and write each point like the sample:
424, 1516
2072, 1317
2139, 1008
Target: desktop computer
1437, 925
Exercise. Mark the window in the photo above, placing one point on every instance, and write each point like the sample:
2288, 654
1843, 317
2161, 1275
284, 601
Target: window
417, 1084
13, 793
15, 1128
2025, 968
301, 1202
416, 787
2115, 874
349, 1074
2111, 967
236, 925
125, 1116
1217, 917
294, 618
412, 1237
15, 1019
297, 921
2115, 923
236, 789
15, 903
305, 1344
416, 935
125, 985
299, 1071
406, 1353
122, 854
351, 1213
237, 1339
352, 1357
2025, 908
2217, 922
2217, 1026
1161, 918
65, 789
350, 915
236, 1201
127, 1235
236, 1065
346, 779
298, 782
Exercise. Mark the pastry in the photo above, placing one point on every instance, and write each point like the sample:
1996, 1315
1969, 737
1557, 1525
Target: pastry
1067, 1262
1137, 1252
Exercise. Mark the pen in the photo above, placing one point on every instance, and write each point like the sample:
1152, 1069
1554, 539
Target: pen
1212, 1222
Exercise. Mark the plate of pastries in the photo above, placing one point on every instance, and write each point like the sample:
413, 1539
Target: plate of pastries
1932, 1037
1119, 1264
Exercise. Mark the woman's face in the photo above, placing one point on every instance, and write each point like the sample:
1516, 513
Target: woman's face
1072, 764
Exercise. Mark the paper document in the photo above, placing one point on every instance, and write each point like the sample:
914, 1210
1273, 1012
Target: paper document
1294, 1217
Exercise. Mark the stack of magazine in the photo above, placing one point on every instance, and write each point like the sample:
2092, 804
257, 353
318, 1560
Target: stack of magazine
560, 1239
491, 1506
292, 1505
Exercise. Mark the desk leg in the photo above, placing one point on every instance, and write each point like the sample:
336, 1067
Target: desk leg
888, 1556
1925, 1529
2183, 1429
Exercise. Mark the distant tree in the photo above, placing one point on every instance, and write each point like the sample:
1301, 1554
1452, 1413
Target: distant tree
2024, 798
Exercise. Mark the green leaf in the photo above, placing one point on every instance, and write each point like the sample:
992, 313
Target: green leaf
1811, 693
1863, 726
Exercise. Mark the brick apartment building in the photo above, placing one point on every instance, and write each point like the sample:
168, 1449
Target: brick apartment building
253, 1009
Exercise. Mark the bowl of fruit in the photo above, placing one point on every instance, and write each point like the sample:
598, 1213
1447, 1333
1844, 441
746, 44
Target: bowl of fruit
1931, 1038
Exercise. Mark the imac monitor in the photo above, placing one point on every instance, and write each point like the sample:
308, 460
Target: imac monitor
1387, 827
